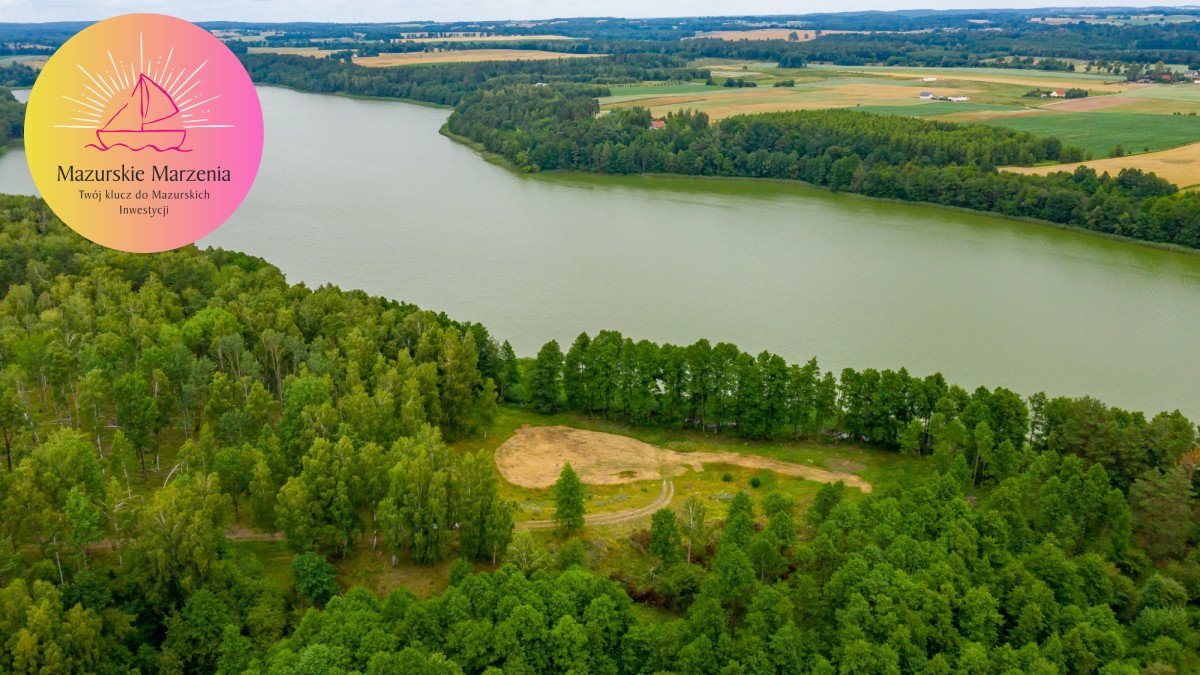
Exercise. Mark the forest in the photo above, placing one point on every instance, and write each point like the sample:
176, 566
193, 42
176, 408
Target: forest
150, 402
12, 119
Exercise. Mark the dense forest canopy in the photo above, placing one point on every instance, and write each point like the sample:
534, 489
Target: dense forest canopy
149, 401
182, 431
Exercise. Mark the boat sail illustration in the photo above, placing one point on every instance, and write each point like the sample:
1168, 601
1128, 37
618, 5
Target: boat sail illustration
149, 119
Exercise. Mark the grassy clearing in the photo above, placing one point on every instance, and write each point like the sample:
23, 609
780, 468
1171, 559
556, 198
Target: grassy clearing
373, 569
882, 469
273, 560
463, 56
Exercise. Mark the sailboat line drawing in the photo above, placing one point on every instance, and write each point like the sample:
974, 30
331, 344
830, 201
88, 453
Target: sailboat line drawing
149, 119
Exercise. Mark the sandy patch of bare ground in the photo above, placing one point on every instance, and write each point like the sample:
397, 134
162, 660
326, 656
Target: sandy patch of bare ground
534, 456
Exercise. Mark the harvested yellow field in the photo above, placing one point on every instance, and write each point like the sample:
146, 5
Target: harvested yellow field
462, 56
721, 104
295, 51
1179, 165
1095, 103
761, 34
960, 75
535, 456
490, 38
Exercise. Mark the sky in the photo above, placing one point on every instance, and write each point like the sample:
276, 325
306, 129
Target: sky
457, 10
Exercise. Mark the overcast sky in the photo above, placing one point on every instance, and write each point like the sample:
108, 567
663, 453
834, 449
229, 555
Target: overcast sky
454, 10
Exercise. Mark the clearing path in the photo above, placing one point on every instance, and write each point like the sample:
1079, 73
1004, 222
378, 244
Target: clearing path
534, 456
613, 517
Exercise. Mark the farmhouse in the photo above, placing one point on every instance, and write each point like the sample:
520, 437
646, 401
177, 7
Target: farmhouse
658, 124
925, 95
1058, 93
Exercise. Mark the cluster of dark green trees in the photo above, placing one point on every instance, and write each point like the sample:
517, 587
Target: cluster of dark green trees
12, 118
545, 128
721, 389
17, 74
146, 400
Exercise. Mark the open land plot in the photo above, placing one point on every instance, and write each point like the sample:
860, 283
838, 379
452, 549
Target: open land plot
1093, 103
728, 101
534, 456
316, 52
491, 38
35, 62
1189, 93
1100, 132
761, 34
1029, 78
463, 56
1181, 165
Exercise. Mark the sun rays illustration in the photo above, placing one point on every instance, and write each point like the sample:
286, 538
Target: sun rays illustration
147, 103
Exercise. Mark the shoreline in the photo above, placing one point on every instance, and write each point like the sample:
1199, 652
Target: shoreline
501, 161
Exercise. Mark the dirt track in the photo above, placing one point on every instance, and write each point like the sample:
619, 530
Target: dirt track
613, 517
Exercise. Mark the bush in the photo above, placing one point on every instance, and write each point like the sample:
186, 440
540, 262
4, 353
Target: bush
727, 477
755, 482
314, 578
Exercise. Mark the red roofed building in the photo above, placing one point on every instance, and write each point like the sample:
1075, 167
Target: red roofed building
658, 124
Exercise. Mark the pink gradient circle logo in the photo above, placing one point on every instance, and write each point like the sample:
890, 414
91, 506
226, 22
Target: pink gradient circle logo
143, 133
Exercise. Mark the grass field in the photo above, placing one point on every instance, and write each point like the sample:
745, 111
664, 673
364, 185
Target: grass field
463, 55
1180, 165
1099, 132
35, 62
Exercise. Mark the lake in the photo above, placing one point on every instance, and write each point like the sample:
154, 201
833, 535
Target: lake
367, 194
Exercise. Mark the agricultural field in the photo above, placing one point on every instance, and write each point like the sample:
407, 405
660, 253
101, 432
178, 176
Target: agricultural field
1098, 133
489, 38
463, 56
35, 62
1179, 165
762, 34
1139, 118
315, 52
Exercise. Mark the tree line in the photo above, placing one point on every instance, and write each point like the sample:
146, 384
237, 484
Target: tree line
446, 84
12, 118
721, 389
891, 157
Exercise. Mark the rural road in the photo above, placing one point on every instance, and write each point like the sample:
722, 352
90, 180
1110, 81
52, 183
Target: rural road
613, 517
